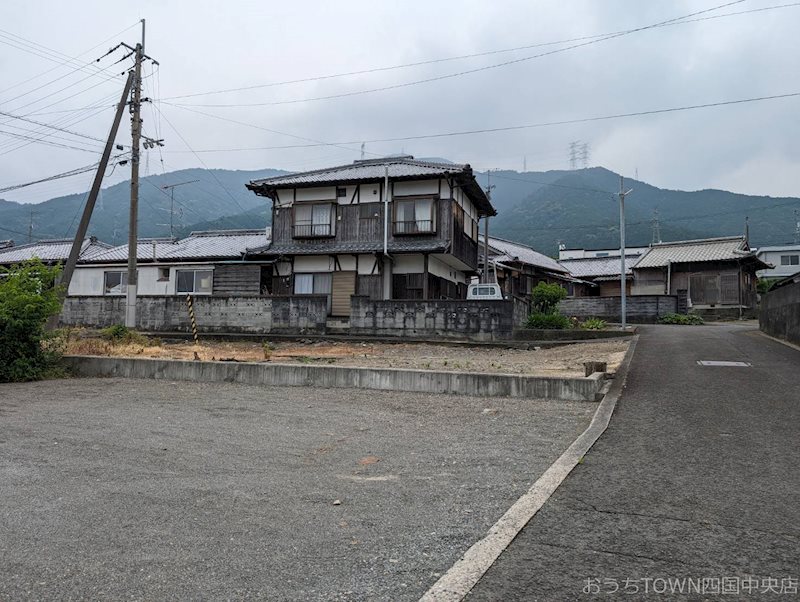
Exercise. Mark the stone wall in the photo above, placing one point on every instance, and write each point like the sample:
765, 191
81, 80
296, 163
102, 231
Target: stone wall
252, 315
447, 318
779, 314
640, 309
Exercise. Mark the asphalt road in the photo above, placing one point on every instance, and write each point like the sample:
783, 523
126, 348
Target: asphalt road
152, 490
697, 476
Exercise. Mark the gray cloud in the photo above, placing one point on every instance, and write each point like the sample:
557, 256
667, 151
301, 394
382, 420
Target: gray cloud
209, 45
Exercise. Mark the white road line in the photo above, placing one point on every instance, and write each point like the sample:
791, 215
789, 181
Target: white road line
457, 582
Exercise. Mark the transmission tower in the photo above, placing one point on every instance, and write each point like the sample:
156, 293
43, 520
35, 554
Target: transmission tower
584, 155
796, 227
656, 224
573, 154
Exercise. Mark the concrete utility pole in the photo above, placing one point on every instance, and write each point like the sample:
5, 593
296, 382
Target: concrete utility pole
622, 279
486, 228
171, 188
133, 230
83, 226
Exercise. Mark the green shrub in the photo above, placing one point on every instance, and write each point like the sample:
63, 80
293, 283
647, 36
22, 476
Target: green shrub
684, 319
593, 324
28, 298
545, 297
122, 335
549, 321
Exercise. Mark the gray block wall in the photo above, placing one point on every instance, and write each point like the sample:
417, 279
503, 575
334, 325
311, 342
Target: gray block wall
251, 315
779, 314
640, 309
458, 319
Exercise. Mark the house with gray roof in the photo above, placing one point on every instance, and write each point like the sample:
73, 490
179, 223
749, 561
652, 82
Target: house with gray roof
715, 273
50, 252
603, 272
517, 268
204, 263
391, 228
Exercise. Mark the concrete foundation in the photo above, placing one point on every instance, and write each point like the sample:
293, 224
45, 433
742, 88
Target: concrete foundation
421, 381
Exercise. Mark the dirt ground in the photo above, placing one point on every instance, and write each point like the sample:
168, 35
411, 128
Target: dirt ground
566, 360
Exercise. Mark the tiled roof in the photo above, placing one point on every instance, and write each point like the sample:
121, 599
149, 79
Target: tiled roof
398, 246
686, 251
51, 250
594, 267
371, 169
215, 244
514, 251
400, 168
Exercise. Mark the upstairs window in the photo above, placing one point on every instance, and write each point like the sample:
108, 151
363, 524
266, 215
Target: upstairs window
198, 282
790, 259
414, 216
314, 220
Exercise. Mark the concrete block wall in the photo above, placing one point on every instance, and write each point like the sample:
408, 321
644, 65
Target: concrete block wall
251, 315
779, 314
641, 309
458, 319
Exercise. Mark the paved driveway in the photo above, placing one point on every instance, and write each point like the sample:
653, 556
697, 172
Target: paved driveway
114, 489
698, 476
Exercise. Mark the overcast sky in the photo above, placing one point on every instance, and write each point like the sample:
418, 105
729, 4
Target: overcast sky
206, 45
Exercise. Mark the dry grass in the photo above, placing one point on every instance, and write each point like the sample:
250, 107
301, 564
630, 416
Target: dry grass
565, 360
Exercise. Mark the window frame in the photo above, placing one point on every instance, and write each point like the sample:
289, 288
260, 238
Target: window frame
332, 212
790, 260
434, 201
195, 273
123, 283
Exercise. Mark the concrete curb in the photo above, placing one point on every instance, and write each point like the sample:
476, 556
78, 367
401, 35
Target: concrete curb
417, 381
459, 580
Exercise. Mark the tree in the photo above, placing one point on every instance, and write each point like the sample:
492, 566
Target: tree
545, 297
28, 297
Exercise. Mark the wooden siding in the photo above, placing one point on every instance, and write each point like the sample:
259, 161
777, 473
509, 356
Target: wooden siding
236, 280
343, 287
370, 286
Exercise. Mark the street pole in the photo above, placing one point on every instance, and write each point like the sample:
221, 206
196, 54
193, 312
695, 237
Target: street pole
486, 229
622, 278
136, 133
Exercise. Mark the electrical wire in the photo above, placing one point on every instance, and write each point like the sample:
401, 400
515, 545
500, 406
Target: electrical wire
466, 71
460, 57
66, 174
483, 130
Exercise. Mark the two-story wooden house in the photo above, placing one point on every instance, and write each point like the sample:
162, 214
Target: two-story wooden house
393, 228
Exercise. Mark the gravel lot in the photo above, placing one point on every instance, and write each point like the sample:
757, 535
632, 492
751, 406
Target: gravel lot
138, 489
557, 361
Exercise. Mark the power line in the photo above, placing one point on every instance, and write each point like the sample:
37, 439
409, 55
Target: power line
485, 130
469, 71
66, 174
42, 141
47, 125
460, 57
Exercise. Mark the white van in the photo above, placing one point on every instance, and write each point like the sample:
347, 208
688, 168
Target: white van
483, 291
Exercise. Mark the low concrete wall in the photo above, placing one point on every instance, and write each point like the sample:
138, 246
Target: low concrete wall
640, 309
779, 314
571, 334
420, 381
450, 318
253, 315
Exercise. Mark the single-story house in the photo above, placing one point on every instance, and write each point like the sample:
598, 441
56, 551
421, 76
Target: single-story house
50, 252
517, 268
204, 263
714, 272
603, 274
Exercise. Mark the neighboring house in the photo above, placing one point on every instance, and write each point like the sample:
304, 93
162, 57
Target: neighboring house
50, 252
341, 231
204, 263
517, 268
564, 253
715, 272
785, 260
6, 243
603, 272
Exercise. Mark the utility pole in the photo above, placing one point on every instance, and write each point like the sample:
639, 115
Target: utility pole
489, 187
83, 226
622, 278
30, 228
171, 188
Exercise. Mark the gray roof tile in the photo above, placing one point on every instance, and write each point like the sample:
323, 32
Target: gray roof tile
686, 251
514, 251
51, 250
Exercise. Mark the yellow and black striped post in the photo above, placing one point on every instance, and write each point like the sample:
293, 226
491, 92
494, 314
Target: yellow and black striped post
190, 303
